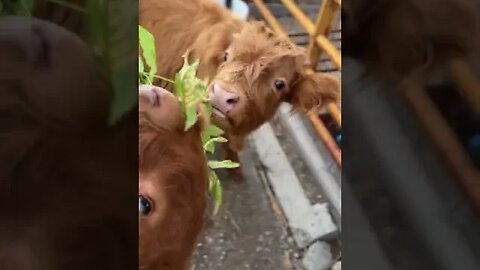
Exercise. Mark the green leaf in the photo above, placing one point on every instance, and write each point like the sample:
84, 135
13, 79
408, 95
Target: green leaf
141, 68
212, 176
207, 110
209, 145
218, 197
216, 190
191, 92
179, 88
147, 44
112, 28
188, 71
224, 164
191, 117
213, 131
210, 136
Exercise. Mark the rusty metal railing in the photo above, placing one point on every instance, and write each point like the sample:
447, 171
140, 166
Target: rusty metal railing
319, 43
439, 131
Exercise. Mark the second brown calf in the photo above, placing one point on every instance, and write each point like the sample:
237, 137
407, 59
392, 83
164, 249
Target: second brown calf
172, 182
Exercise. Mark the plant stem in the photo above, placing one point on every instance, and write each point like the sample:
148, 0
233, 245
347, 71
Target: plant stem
163, 78
158, 77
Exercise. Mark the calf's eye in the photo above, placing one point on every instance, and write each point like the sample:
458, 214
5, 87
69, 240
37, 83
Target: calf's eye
144, 205
225, 57
279, 84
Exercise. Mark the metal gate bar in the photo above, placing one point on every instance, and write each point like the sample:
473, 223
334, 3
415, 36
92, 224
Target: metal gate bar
318, 31
462, 74
444, 139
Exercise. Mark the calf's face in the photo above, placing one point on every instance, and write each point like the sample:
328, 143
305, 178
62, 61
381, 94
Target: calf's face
255, 73
173, 182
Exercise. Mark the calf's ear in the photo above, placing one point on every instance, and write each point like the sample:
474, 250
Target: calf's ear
313, 91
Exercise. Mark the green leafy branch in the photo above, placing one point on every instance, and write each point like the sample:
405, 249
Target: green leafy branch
192, 93
110, 26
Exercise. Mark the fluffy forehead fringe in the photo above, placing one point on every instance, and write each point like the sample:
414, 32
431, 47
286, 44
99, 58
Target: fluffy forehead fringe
256, 48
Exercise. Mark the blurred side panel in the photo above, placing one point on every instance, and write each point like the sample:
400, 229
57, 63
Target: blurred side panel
68, 138
410, 126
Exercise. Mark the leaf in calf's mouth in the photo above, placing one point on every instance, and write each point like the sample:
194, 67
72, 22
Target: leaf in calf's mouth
192, 92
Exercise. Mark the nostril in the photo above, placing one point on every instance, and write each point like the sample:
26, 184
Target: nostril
157, 96
233, 100
151, 94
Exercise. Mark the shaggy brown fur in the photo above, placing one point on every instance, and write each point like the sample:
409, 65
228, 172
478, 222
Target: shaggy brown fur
173, 181
245, 59
67, 199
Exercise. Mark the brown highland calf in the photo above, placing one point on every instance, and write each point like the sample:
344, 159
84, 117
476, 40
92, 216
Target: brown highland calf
173, 182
